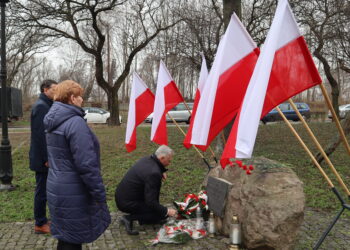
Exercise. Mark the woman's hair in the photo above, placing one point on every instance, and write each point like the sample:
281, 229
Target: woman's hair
65, 89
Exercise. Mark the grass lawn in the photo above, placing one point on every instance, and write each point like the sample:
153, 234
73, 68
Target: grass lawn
187, 171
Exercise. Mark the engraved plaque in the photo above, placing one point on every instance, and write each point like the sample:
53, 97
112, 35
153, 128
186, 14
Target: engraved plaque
217, 190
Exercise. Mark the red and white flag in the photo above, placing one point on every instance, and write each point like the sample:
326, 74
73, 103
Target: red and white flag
140, 106
226, 84
201, 83
284, 69
167, 97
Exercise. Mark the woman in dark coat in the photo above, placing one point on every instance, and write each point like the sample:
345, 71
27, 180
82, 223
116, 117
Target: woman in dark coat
75, 192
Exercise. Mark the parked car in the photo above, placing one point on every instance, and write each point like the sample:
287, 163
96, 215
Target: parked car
179, 113
289, 112
97, 115
343, 109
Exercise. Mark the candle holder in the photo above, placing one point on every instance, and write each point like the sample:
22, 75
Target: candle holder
235, 233
211, 225
234, 247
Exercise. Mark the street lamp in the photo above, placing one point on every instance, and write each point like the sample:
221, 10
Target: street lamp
5, 147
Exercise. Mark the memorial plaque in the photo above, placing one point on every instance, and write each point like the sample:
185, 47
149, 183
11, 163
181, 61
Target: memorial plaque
217, 190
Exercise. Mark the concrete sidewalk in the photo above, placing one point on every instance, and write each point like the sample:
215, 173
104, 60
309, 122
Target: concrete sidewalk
20, 235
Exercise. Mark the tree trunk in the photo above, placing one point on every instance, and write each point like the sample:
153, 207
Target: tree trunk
332, 81
229, 7
113, 107
332, 146
335, 96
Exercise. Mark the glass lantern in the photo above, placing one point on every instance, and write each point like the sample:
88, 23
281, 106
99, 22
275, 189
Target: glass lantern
235, 231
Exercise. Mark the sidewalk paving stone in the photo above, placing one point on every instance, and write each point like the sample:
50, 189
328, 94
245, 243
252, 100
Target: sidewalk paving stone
20, 235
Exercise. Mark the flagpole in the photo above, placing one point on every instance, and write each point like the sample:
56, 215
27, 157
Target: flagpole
188, 108
305, 148
335, 172
223, 137
211, 150
335, 117
200, 154
335, 191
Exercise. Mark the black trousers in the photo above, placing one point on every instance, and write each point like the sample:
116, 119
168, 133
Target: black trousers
40, 199
138, 210
62, 245
146, 217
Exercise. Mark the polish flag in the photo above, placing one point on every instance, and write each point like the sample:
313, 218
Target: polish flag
226, 84
140, 106
201, 82
167, 97
284, 69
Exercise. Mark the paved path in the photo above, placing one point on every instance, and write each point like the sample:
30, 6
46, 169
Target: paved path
19, 235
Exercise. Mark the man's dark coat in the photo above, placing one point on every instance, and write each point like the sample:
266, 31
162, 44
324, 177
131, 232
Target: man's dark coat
38, 151
142, 183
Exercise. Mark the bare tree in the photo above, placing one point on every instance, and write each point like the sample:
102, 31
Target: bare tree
22, 44
257, 17
201, 31
80, 21
26, 77
78, 67
322, 20
230, 6
31, 74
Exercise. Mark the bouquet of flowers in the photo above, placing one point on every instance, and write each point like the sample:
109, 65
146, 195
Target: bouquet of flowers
178, 232
187, 209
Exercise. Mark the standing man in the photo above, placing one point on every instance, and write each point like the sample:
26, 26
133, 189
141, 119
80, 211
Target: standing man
138, 192
38, 154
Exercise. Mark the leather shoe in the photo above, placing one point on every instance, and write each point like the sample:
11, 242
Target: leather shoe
44, 229
128, 225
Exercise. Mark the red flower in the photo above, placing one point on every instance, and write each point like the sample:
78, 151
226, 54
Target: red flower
251, 167
192, 196
202, 232
190, 232
203, 202
244, 167
239, 163
248, 172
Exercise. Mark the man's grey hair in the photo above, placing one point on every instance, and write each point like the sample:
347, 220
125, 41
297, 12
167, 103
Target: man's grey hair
164, 151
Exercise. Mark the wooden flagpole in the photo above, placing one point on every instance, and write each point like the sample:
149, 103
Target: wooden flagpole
305, 148
335, 172
200, 154
210, 149
334, 116
223, 137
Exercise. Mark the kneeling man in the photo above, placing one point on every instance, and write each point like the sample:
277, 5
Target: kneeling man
138, 192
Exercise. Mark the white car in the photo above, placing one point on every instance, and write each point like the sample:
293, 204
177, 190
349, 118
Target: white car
97, 115
343, 109
179, 113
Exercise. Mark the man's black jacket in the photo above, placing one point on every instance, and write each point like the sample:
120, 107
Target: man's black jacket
38, 151
142, 183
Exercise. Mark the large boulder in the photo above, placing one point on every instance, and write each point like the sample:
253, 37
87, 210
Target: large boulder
269, 204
